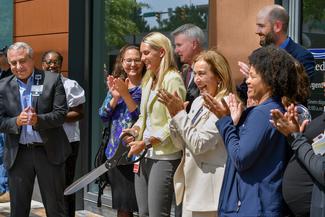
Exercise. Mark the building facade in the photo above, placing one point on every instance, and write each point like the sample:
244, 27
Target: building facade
83, 32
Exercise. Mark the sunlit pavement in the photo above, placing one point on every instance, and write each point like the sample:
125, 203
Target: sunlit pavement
37, 210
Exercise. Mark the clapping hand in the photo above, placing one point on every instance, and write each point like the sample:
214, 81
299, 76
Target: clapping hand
243, 68
217, 107
121, 86
112, 88
287, 123
236, 108
173, 102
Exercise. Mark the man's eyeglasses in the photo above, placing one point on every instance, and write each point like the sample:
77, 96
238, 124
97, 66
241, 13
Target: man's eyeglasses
54, 62
130, 61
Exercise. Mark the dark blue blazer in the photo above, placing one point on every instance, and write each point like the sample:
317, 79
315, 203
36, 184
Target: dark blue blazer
257, 155
301, 54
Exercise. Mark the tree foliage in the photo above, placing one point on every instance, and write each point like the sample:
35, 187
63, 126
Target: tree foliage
314, 9
314, 13
194, 14
122, 19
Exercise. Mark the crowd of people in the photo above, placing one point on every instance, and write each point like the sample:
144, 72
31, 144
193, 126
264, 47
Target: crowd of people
215, 148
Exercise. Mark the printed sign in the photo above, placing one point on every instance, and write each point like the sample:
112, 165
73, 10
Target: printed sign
316, 102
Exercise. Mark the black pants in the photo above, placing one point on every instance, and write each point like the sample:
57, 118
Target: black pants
70, 168
31, 162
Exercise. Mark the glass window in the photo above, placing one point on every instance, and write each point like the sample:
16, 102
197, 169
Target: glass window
6, 22
117, 23
128, 21
313, 38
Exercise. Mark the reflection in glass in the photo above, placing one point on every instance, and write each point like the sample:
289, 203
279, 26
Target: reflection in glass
313, 37
127, 21
313, 26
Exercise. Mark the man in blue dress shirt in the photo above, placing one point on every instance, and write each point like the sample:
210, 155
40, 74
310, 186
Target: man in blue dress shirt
32, 110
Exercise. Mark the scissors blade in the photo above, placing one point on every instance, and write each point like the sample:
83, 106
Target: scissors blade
86, 179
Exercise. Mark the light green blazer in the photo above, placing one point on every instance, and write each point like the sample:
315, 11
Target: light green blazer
158, 113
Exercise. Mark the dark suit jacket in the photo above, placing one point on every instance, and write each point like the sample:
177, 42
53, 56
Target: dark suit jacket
314, 164
5, 74
191, 91
51, 108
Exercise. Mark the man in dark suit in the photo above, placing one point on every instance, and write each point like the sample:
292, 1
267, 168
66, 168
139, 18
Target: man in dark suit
4, 190
4, 65
188, 40
32, 110
272, 26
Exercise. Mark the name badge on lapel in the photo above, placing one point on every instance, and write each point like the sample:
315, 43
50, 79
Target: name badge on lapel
37, 90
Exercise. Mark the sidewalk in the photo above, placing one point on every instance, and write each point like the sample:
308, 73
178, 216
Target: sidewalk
37, 210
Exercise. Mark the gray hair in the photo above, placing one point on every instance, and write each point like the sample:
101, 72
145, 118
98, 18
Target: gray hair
192, 31
22, 45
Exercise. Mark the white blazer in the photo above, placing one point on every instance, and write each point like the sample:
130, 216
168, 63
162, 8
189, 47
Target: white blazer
198, 178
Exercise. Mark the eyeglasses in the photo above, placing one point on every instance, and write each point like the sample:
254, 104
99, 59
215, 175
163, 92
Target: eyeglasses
54, 62
129, 61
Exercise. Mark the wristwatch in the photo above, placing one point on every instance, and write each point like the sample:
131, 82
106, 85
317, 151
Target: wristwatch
147, 143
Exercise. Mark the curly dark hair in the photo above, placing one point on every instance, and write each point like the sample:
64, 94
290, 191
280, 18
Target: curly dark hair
277, 69
303, 91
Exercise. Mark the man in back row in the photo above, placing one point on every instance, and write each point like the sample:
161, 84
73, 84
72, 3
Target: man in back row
4, 190
188, 40
75, 94
272, 26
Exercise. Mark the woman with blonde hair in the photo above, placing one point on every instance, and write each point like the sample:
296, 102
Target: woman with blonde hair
204, 154
154, 180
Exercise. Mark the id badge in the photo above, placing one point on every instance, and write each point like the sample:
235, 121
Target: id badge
319, 144
37, 90
136, 167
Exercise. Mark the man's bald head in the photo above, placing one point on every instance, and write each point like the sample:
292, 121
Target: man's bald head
272, 25
274, 13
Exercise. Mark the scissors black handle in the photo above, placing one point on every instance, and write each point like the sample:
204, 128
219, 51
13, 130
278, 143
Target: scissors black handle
124, 159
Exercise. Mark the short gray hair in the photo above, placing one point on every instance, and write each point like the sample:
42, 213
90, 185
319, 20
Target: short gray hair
22, 45
190, 30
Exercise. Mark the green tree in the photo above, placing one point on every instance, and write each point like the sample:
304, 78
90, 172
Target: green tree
197, 15
122, 19
314, 13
